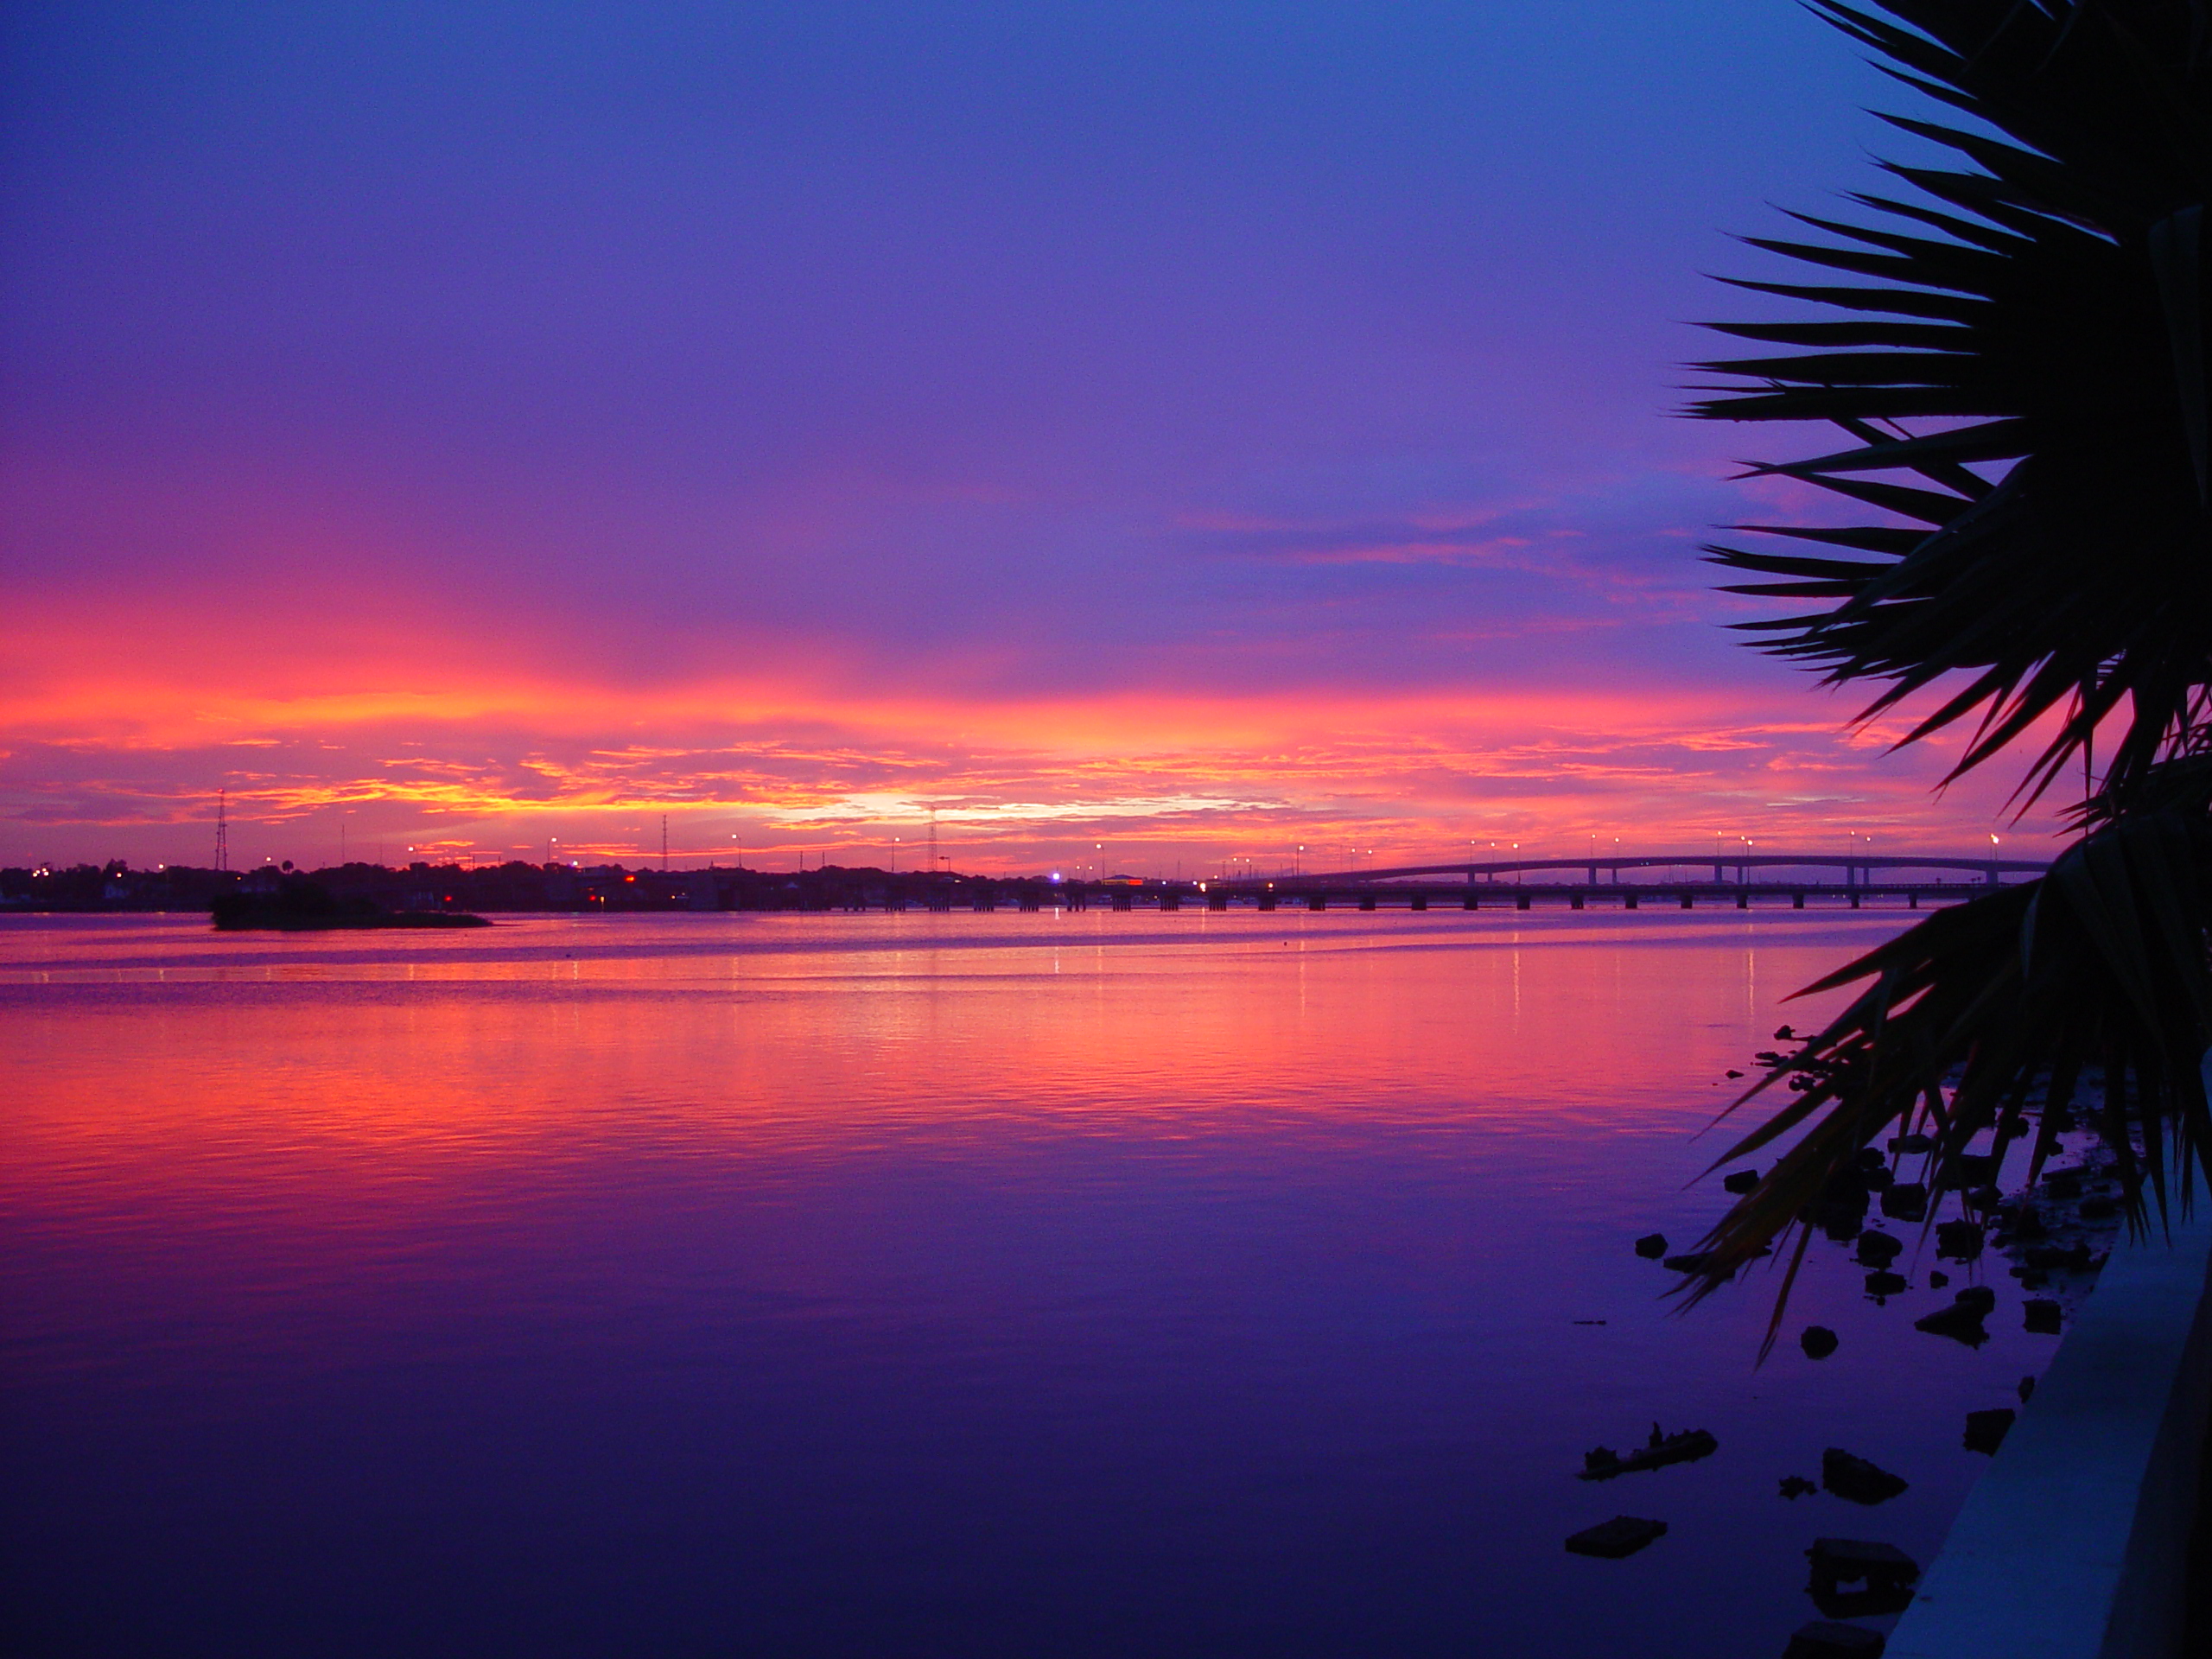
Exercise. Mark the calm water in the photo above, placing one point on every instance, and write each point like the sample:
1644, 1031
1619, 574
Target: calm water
1121, 1285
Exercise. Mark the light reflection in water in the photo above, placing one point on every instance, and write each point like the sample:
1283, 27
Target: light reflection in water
1098, 1284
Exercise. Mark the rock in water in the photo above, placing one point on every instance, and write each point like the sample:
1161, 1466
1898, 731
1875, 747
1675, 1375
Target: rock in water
1823, 1639
1610, 1539
1986, 1430
1686, 1446
1906, 1201
1818, 1342
1959, 1240
2044, 1317
1742, 1181
1879, 1249
1885, 1284
1980, 1298
2026, 1390
1883, 1574
1798, 1486
1651, 1246
1960, 1321
1938, 1279
1856, 1480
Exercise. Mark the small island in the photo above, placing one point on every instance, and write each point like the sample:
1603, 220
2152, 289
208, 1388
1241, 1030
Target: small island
300, 905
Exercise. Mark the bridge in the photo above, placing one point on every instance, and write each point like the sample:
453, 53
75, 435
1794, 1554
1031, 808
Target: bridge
1629, 880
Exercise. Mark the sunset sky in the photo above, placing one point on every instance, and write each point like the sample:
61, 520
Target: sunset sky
1203, 429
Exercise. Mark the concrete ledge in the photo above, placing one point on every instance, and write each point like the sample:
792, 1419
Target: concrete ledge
2073, 1545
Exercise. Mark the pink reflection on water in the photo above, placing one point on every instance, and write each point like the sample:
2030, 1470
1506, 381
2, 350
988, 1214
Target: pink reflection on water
1176, 1284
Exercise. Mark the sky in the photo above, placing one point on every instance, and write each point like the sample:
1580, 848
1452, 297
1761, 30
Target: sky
1142, 435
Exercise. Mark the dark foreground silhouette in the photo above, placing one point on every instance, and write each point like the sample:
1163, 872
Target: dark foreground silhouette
302, 906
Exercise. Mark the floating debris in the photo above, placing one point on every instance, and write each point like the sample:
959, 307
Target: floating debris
1818, 1342
1651, 1246
1986, 1430
1938, 1279
1824, 1639
1691, 1443
1886, 1284
1856, 1480
1795, 1486
1610, 1539
1977, 1296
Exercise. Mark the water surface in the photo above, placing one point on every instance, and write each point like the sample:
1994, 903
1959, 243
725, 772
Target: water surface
1100, 1284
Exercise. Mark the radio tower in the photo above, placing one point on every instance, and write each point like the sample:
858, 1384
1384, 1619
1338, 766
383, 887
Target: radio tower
932, 843
664, 843
222, 830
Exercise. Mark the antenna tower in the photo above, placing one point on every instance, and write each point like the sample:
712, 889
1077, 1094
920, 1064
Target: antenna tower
664, 843
222, 830
932, 843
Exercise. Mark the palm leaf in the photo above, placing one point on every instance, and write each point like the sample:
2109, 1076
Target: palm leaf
2022, 376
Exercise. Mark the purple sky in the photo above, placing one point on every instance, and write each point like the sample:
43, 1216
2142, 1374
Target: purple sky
1205, 427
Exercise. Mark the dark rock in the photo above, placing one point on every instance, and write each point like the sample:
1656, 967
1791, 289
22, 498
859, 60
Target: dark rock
1980, 1298
1783, 1034
1968, 1170
1984, 1198
1906, 1201
1845, 1188
2063, 1183
1610, 1539
1794, 1486
1938, 1279
1986, 1430
1912, 1144
1886, 1284
1879, 1180
1855, 1560
2045, 1257
1960, 1321
1824, 1639
1856, 1480
1651, 1246
1870, 1160
2027, 1223
1742, 1181
1687, 1446
1733, 1073
1818, 1342
1960, 1240
2026, 1390
2100, 1209
1879, 1249
2042, 1318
